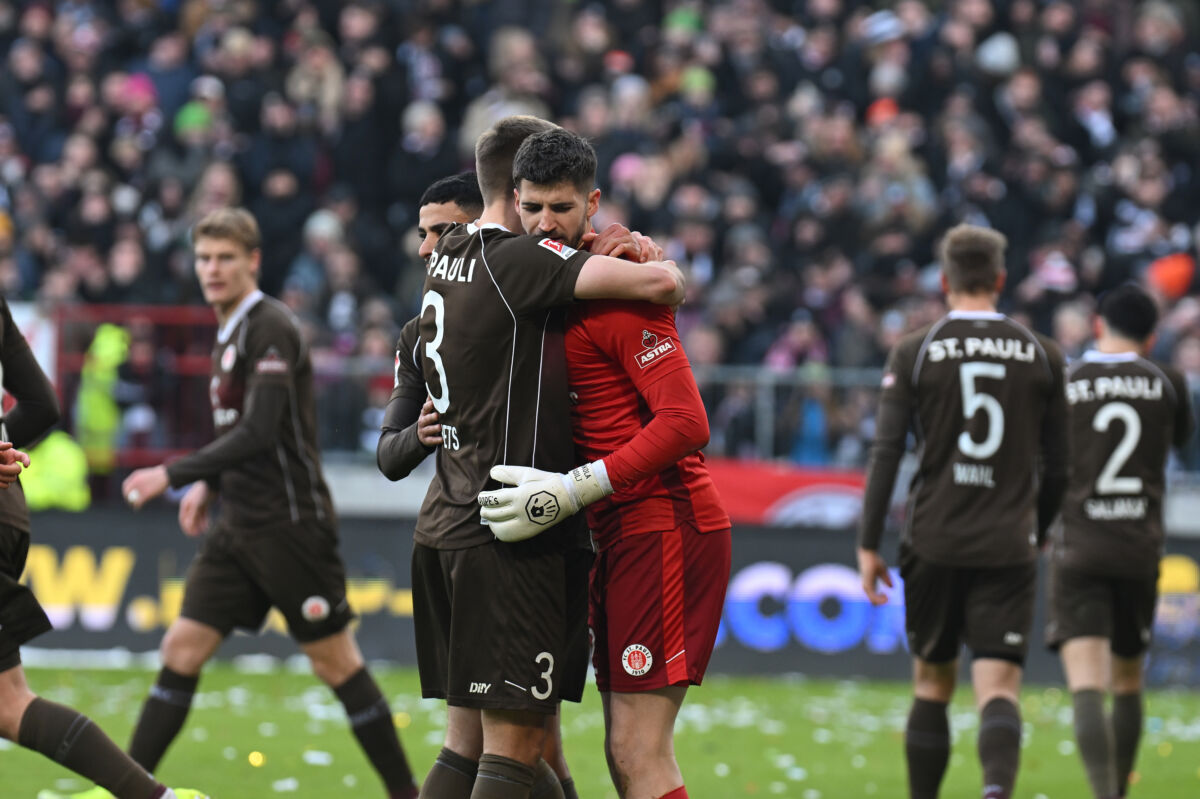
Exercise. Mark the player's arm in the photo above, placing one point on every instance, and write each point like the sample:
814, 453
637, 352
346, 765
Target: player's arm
891, 439
1053, 484
410, 427
605, 277
272, 357
37, 408
678, 427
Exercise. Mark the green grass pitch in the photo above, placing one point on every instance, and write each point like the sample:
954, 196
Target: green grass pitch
253, 735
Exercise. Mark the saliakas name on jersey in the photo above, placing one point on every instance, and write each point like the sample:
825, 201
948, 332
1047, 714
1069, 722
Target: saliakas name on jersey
1115, 387
447, 268
1116, 508
1006, 349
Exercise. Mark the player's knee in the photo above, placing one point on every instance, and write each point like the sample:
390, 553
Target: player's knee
181, 654
1126, 676
14, 700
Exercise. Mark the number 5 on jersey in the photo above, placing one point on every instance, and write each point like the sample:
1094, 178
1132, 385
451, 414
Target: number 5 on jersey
975, 400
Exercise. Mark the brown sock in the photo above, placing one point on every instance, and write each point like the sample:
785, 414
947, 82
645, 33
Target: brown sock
1094, 735
452, 777
162, 717
371, 721
1127, 732
926, 748
568, 789
73, 740
502, 778
999, 747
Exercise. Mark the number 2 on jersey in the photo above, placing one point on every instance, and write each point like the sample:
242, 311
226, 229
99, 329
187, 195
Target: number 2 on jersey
974, 401
1108, 482
441, 398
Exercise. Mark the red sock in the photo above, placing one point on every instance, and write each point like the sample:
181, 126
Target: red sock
678, 793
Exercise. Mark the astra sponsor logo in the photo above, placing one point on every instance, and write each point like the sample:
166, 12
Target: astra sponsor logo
654, 349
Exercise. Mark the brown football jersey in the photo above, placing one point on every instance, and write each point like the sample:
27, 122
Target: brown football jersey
264, 460
36, 409
1124, 414
491, 352
984, 397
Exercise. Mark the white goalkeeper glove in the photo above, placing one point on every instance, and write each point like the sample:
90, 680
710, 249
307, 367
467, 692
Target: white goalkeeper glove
539, 500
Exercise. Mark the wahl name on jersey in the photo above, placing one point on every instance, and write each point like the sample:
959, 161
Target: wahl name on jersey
1006, 349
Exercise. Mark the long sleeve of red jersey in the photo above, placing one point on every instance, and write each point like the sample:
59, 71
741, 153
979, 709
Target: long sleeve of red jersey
679, 428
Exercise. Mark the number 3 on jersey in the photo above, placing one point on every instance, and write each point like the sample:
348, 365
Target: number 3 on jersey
441, 397
974, 401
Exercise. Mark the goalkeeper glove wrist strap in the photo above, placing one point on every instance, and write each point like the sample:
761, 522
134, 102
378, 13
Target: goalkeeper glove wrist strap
586, 484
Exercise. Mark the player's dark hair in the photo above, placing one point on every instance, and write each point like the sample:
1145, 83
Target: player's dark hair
554, 157
233, 224
1130, 312
495, 150
972, 258
461, 189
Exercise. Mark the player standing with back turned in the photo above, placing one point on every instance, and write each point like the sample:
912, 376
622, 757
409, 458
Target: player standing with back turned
984, 397
1124, 413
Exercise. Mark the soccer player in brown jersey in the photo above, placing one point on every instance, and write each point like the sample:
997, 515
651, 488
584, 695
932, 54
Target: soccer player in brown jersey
490, 351
60, 733
984, 397
411, 431
1124, 413
275, 542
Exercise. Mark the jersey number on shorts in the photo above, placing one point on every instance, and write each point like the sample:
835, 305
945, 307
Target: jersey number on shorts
441, 398
546, 659
975, 401
1108, 482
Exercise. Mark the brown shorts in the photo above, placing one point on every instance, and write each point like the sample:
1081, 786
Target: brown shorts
492, 625
239, 575
1120, 609
21, 617
990, 610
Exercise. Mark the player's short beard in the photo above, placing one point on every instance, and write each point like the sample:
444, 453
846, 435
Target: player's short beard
574, 241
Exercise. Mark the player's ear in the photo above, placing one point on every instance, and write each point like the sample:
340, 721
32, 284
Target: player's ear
1148, 344
593, 203
1097, 327
945, 283
1000, 278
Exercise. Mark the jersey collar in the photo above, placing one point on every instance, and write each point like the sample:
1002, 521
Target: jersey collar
474, 226
1095, 356
975, 315
238, 314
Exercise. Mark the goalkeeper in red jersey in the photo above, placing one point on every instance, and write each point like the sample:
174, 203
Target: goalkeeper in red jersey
662, 537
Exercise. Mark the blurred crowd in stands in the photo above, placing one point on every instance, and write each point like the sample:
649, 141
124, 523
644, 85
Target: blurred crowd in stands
799, 157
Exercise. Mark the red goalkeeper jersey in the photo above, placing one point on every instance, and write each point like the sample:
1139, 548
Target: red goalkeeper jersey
634, 403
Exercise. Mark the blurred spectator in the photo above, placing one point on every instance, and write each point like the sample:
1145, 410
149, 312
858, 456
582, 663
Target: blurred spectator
799, 159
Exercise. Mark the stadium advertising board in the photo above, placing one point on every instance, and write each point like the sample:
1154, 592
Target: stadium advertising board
111, 578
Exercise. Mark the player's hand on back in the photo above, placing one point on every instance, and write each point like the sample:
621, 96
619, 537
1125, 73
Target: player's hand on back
616, 241
539, 500
193, 509
873, 568
650, 250
429, 431
12, 462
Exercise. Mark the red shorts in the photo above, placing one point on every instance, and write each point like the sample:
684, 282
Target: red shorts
655, 606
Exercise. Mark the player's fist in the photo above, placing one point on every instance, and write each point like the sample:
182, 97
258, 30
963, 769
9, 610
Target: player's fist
873, 569
539, 500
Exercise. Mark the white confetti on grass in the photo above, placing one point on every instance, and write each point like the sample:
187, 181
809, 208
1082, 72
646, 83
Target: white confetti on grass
286, 785
316, 757
721, 769
268, 729
1066, 748
229, 753
199, 734
349, 780
777, 787
797, 774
